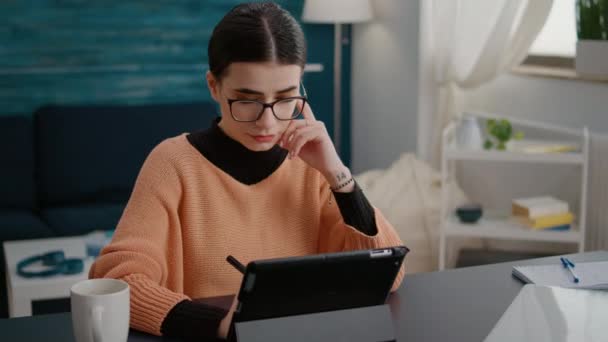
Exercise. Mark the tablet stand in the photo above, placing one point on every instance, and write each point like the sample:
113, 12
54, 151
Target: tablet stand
366, 324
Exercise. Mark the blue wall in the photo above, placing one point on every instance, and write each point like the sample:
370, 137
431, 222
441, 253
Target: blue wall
131, 52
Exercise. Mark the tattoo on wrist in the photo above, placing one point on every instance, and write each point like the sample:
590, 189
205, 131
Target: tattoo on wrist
340, 186
340, 176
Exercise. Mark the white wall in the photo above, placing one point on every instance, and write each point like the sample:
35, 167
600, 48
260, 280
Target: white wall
564, 102
385, 90
385, 84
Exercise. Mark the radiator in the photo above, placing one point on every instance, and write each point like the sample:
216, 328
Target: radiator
597, 194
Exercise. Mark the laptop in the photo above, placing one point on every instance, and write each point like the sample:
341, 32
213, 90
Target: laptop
317, 283
545, 313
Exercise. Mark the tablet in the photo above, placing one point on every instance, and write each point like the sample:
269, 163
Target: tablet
317, 283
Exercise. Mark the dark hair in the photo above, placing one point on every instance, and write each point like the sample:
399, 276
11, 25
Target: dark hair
256, 32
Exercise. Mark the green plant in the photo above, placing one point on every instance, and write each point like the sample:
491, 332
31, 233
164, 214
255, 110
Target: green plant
502, 132
592, 19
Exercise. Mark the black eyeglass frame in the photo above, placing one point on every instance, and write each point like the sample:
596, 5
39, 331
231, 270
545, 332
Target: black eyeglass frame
271, 106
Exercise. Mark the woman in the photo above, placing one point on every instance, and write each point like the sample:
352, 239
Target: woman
263, 182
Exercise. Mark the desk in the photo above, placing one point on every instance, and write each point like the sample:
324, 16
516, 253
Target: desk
453, 305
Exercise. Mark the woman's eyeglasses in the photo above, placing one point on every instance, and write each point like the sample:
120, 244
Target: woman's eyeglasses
284, 109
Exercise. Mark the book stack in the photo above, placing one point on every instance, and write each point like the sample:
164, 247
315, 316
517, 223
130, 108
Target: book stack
540, 213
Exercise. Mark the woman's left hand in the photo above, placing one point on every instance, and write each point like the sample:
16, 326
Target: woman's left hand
308, 139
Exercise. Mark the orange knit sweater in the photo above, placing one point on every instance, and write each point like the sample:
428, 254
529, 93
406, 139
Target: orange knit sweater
185, 216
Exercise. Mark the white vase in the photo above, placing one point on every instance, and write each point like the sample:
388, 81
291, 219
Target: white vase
468, 134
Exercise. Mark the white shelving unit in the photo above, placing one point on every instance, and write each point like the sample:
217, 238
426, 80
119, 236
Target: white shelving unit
496, 227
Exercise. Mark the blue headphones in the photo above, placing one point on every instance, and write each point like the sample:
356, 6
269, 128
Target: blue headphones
55, 260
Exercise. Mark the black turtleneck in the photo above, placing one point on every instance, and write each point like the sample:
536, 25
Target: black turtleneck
196, 320
244, 165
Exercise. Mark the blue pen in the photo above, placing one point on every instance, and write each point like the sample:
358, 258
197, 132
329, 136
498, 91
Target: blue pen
569, 265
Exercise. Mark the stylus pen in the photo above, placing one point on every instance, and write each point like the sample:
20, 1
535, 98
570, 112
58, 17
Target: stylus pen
236, 264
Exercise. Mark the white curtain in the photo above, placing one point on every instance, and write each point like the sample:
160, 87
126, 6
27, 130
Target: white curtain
597, 195
469, 43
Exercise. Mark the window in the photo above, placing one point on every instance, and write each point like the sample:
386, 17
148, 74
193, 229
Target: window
558, 36
552, 53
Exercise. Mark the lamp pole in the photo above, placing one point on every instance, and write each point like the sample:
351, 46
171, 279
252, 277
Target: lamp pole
337, 12
337, 86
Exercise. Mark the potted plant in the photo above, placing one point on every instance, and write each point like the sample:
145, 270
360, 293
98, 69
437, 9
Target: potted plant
592, 45
499, 133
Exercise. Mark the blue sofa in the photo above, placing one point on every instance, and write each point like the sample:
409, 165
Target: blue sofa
68, 170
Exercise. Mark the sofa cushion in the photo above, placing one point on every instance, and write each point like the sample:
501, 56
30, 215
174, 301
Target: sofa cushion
22, 224
82, 219
89, 154
17, 189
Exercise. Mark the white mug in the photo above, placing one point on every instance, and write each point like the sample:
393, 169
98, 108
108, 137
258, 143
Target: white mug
100, 310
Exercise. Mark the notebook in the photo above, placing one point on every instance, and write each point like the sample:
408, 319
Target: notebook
593, 275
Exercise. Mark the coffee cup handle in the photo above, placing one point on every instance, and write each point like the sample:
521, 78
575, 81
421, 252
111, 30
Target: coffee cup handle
96, 318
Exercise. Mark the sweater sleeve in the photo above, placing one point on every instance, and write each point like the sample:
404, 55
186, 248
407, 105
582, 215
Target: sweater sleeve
192, 320
140, 251
336, 235
356, 210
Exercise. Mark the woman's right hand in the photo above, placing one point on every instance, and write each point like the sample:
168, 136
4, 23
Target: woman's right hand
224, 327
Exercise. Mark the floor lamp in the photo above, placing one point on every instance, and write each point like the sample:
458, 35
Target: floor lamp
337, 12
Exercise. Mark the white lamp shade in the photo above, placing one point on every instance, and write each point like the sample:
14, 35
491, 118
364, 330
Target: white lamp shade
336, 11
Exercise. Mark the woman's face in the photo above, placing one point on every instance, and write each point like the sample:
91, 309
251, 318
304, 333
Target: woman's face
265, 82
